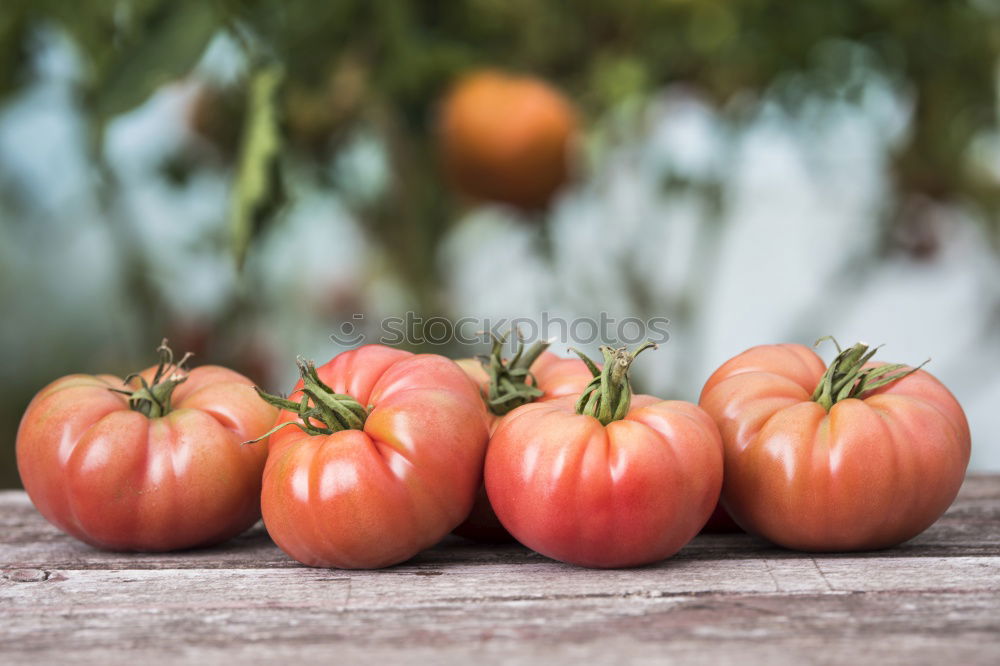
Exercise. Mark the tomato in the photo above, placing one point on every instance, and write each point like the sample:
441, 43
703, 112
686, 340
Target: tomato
609, 480
506, 138
125, 467
854, 456
386, 459
215, 114
314, 111
543, 376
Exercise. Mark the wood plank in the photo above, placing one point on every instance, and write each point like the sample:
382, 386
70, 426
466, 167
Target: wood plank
43, 591
723, 599
971, 527
257, 615
417, 587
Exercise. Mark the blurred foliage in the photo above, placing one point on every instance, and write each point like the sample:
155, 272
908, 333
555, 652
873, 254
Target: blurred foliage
258, 188
384, 65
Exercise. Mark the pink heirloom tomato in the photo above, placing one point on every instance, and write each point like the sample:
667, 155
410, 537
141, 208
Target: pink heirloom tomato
609, 480
854, 456
151, 463
384, 460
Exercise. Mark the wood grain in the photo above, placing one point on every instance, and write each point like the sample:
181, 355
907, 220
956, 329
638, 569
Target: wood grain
723, 599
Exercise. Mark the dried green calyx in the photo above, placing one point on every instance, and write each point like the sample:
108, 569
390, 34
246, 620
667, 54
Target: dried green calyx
846, 377
511, 383
609, 395
154, 398
321, 411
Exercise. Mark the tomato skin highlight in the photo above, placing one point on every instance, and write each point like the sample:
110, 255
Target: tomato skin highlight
119, 480
869, 474
556, 377
626, 494
375, 497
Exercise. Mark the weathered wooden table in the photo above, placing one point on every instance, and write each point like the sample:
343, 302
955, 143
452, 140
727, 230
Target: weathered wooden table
722, 599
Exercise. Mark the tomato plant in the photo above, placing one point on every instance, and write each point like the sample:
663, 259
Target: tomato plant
609, 479
854, 456
384, 460
506, 138
532, 374
149, 463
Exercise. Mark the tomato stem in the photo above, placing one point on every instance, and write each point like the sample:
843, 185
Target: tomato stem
511, 383
154, 398
321, 410
846, 377
609, 394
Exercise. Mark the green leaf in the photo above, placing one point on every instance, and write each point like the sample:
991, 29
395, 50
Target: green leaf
13, 49
258, 191
165, 44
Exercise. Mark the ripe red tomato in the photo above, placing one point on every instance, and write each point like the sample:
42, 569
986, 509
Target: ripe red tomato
608, 480
857, 456
532, 375
386, 461
159, 469
507, 138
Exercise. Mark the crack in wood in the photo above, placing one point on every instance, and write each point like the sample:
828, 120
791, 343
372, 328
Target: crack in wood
822, 575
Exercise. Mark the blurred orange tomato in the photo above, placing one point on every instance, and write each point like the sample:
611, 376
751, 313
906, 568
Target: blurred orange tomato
507, 138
